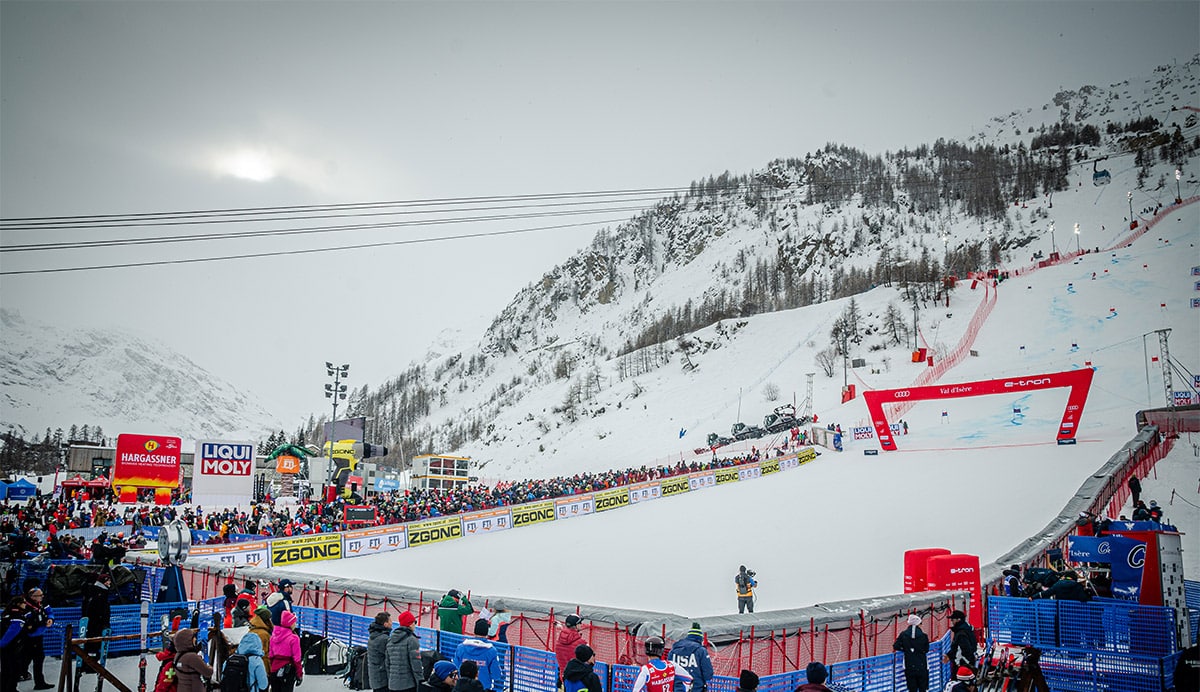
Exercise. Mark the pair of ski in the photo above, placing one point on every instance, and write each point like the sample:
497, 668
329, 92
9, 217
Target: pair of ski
1001, 669
83, 627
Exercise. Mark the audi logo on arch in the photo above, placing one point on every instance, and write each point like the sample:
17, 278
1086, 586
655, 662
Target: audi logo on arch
902, 394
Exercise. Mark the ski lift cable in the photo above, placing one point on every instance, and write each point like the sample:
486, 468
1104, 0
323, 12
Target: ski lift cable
436, 201
305, 251
239, 235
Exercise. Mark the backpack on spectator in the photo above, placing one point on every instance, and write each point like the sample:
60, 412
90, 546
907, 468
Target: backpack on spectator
235, 675
167, 677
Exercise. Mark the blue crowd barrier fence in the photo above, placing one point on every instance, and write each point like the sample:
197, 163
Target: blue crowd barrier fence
1114, 626
1191, 598
1069, 670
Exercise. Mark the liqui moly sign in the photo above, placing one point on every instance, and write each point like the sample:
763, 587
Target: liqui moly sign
223, 473
225, 458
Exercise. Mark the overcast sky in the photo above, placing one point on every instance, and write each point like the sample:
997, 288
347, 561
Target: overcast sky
124, 107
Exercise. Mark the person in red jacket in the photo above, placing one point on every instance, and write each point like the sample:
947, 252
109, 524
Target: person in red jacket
568, 638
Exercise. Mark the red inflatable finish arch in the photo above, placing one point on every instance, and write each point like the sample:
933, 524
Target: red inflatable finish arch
1080, 381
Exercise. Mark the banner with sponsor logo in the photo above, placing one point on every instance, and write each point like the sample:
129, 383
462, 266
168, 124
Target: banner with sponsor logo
487, 521
223, 474
748, 471
644, 492
614, 498
574, 506
701, 479
146, 461
1126, 556
320, 546
249, 553
675, 485
728, 475
386, 485
533, 513
863, 433
1078, 381
769, 466
805, 455
434, 531
375, 540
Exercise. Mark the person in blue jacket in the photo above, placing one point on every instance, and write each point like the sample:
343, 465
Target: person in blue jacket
480, 650
37, 618
250, 646
690, 653
13, 632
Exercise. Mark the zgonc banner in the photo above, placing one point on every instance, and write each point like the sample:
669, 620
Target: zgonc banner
146, 461
223, 474
434, 531
321, 546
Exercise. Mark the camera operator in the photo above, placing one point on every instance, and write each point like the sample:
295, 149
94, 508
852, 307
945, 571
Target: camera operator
745, 583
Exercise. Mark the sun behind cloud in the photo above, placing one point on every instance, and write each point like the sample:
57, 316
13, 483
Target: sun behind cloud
247, 164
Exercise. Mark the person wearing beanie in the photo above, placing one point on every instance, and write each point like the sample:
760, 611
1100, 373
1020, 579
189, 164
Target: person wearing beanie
441, 679
281, 600
404, 671
451, 610
260, 625
914, 644
579, 675
500, 621
690, 653
287, 665
240, 615
468, 678
964, 680
747, 681
962, 642
377, 638
568, 638
816, 675
485, 656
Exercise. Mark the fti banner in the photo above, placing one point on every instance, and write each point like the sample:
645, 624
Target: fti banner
434, 531
748, 471
320, 546
701, 479
574, 506
377, 539
644, 492
146, 461
487, 521
249, 553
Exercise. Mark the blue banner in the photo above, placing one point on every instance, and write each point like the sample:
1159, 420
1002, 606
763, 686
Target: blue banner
1128, 558
1140, 526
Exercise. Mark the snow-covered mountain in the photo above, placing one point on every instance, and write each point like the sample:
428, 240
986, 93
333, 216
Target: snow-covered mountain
51, 377
625, 330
